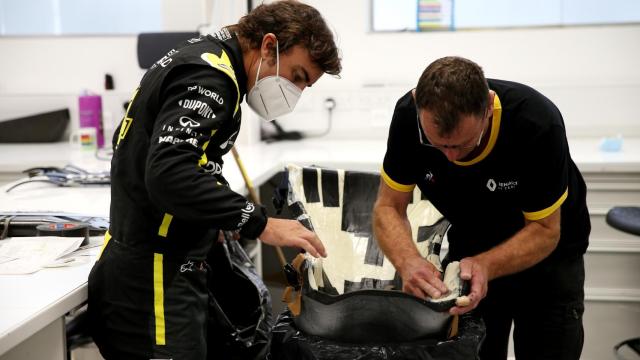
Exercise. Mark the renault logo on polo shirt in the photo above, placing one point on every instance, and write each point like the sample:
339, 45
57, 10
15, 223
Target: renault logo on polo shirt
188, 122
491, 185
502, 185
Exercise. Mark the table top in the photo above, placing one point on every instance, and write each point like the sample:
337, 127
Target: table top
30, 302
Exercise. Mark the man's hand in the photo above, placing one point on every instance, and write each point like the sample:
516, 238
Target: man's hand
421, 278
282, 232
473, 270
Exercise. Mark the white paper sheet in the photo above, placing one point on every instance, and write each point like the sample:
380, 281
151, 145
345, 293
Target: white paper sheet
31, 254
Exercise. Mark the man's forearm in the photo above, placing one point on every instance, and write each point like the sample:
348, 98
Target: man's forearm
393, 232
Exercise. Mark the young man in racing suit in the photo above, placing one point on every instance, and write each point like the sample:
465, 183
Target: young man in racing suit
148, 292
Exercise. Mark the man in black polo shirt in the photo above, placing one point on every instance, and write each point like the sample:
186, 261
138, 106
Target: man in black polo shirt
492, 157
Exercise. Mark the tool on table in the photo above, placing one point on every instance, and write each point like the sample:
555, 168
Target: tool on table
17, 224
69, 175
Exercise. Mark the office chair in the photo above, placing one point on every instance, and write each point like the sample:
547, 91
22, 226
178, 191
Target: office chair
626, 219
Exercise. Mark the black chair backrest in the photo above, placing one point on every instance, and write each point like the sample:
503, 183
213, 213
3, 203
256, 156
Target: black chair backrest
629, 347
153, 46
625, 218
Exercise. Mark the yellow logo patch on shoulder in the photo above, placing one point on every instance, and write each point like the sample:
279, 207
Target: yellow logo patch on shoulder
221, 62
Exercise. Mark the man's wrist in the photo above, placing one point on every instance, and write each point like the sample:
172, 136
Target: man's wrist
403, 260
487, 264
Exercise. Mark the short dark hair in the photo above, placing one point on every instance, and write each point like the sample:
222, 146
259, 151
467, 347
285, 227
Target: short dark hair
451, 87
293, 23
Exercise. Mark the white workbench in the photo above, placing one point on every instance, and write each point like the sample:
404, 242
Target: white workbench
33, 306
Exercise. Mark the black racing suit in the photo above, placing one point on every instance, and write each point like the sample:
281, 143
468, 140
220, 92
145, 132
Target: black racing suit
148, 291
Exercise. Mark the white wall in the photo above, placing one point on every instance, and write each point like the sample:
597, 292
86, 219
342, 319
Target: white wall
39, 74
591, 73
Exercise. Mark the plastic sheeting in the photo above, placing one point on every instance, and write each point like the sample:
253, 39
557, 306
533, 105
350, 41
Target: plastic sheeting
291, 344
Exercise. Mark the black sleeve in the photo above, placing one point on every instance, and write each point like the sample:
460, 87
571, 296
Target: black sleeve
545, 173
396, 169
188, 118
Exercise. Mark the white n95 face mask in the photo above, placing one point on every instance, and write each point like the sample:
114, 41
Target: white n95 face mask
273, 96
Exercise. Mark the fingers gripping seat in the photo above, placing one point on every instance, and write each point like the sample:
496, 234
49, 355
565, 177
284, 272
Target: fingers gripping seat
354, 295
